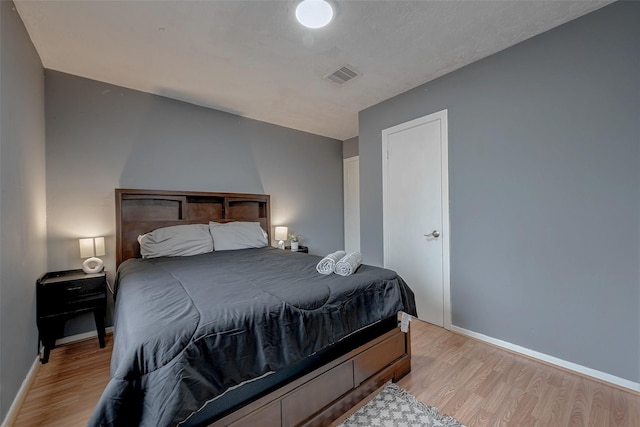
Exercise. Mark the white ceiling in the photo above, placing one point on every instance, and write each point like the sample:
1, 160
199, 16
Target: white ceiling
253, 59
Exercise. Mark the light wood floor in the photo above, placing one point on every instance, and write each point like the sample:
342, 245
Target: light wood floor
477, 383
481, 385
67, 388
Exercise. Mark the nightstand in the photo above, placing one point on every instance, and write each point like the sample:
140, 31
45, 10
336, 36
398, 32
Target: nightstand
303, 249
63, 294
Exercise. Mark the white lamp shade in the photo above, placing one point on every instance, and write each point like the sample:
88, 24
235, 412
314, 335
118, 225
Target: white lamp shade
281, 233
99, 241
86, 248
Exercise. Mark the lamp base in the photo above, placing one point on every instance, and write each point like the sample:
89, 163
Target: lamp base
281, 244
92, 265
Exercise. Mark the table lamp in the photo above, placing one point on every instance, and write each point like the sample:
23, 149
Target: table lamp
90, 248
281, 236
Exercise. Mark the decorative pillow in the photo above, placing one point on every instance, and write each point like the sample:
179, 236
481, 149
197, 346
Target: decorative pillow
177, 240
237, 235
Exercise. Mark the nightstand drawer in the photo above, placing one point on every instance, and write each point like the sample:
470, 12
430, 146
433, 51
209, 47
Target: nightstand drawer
73, 290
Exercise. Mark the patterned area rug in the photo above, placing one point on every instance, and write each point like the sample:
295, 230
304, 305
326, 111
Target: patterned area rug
396, 407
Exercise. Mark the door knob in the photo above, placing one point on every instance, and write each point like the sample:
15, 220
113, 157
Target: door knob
435, 234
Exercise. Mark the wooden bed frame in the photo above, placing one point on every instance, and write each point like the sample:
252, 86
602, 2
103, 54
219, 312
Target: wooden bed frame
315, 399
142, 211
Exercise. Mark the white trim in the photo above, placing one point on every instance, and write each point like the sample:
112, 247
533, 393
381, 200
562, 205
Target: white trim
84, 336
440, 116
351, 159
446, 238
583, 370
346, 195
31, 375
12, 414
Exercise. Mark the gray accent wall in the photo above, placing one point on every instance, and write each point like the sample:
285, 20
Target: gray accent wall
544, 164
23, 249
101, 137
350, 147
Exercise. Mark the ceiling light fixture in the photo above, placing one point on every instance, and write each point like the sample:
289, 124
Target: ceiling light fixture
314, 13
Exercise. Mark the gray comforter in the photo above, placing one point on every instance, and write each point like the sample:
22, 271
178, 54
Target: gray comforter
189, 328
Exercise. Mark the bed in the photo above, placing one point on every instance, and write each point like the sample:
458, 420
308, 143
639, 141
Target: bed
242, 337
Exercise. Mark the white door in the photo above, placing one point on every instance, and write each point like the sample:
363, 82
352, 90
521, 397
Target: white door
416, 212
351, 172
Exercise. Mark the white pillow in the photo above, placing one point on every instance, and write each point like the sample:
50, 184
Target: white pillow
237, 235
176, 240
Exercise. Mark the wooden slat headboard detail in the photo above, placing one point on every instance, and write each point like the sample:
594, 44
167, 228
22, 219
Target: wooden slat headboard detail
142, 211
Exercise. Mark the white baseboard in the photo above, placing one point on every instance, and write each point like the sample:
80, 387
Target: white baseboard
31, 375
582, 370
84, 336
12, 414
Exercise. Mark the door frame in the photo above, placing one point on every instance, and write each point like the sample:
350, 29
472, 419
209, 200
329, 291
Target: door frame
440, 116
345, 163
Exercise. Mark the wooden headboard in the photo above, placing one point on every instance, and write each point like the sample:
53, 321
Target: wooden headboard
142, 211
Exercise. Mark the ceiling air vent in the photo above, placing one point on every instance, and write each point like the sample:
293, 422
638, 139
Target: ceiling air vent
343, 75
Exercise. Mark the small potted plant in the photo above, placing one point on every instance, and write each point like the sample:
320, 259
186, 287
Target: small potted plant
294, 238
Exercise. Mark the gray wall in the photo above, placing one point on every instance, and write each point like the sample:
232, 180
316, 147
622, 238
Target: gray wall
101, 137
544, 163
23, 255
350, 147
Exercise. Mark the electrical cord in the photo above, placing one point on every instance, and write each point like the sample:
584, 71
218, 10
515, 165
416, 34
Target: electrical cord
110, 288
